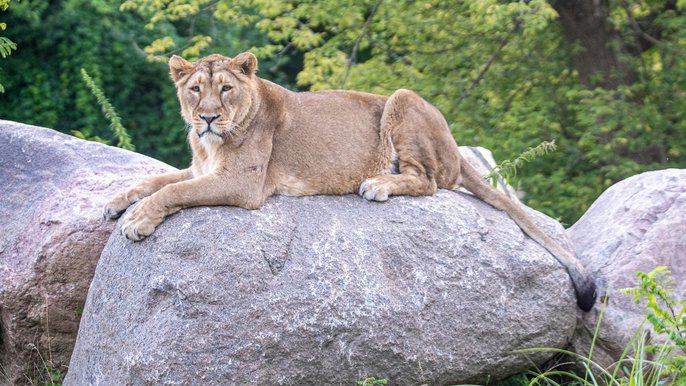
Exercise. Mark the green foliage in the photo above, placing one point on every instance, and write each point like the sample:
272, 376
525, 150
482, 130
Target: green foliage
667, 315
54, 377
123, 138
6, 45
500, 71
44, 85
371, 381
80, 135
508, 169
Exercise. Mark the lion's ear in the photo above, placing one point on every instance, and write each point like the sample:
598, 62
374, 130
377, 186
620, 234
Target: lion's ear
179, 67
246, 63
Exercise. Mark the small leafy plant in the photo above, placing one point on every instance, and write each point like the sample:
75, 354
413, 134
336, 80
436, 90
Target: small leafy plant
55, 377
372, 381
508, 169
667, 315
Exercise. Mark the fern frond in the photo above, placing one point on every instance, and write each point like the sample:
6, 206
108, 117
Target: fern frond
123, 138
508, 169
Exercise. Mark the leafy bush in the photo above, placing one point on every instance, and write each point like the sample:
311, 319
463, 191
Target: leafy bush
6, 45
44, 86
667, 315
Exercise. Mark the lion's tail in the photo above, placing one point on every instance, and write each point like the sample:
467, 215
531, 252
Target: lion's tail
584, 285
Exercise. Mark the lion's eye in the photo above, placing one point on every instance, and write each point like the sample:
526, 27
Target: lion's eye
226, 88
195, 88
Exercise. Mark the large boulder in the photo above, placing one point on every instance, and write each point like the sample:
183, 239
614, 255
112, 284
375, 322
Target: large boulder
636, 225
53, 189
325, 290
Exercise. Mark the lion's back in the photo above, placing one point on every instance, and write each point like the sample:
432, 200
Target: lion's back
329, 140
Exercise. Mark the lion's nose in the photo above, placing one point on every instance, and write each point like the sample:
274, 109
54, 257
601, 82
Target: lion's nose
209, 118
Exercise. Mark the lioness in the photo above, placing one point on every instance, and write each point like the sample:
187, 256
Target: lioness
251, 139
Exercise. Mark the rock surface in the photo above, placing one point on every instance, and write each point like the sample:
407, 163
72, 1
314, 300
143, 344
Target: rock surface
53, 189
636, 225
324, 290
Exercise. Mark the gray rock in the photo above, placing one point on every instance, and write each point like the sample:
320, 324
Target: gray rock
636, 225
324, 290
53, 189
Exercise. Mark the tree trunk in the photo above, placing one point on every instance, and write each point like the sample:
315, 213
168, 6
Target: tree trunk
586, 29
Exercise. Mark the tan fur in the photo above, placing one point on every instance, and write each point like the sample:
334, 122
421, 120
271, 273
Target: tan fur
266, 140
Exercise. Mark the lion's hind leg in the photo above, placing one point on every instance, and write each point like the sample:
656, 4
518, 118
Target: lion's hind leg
426, 153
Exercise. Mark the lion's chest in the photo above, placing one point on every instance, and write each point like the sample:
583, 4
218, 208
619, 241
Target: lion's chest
207, 163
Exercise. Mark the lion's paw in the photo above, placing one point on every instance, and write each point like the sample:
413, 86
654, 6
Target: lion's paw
141, 221
374, 190
115, 208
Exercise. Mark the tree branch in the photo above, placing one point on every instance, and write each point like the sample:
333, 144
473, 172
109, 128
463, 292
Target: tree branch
636, 27
353, 53
484, 69
652, 41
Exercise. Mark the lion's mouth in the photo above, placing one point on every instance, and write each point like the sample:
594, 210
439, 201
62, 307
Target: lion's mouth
208, 130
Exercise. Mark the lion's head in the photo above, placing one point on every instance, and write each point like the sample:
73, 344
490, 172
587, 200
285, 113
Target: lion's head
216, 93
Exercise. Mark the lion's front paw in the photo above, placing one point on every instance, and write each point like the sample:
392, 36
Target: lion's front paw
120, 203
374, 190
116, 207
141, 221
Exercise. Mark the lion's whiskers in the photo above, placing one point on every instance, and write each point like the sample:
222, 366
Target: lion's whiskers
232, 129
